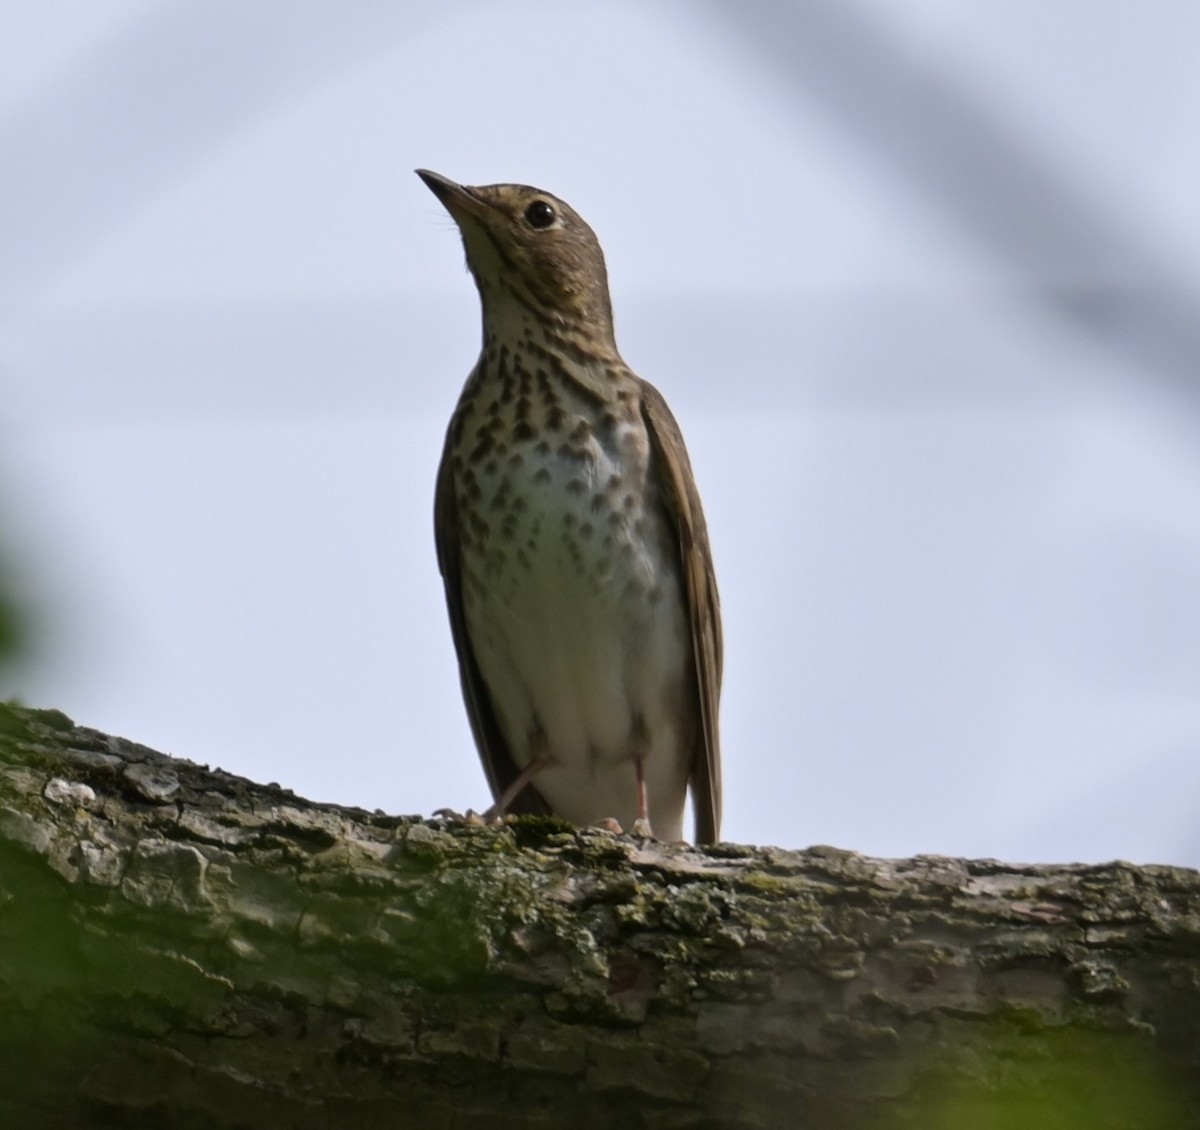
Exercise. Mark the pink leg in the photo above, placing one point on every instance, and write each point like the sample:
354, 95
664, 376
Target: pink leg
500, 809
641, 826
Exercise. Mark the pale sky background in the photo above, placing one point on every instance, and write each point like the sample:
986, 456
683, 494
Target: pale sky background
920, 279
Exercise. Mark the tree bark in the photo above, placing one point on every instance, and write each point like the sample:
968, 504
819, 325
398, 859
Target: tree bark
182, 948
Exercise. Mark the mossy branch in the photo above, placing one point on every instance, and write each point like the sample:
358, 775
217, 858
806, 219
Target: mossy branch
180, 947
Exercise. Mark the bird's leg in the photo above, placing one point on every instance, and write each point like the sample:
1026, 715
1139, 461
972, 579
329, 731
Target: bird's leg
641, 826
500, 809
639, 740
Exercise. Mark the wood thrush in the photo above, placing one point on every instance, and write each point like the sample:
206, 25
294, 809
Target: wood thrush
571, 541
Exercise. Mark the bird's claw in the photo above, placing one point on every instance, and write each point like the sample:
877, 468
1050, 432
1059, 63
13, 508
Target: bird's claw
468, 817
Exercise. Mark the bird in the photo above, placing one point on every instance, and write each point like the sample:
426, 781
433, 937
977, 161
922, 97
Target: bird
572, 544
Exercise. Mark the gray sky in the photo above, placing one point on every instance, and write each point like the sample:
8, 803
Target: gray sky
919, 279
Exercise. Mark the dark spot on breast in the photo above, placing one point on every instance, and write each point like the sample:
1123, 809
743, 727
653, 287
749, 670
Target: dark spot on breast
599, 502
556, 418
471, 584
523, 432
586, 531
541, 475
568, 521
576, 486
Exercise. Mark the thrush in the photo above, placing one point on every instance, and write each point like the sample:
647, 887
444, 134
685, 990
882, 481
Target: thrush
571, 541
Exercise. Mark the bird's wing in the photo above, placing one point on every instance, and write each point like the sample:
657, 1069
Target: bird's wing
704, 604
497, 761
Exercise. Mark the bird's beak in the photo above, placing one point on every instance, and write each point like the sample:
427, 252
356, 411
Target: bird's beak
457, 199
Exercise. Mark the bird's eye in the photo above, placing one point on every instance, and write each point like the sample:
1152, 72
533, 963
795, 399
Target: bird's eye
539, 214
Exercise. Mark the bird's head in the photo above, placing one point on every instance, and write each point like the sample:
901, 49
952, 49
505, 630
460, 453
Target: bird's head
527, 247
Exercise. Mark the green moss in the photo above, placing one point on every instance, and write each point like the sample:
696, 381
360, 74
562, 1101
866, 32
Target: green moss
536, 831
1068, 1079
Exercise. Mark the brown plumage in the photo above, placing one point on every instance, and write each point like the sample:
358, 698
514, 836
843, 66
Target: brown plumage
572, 543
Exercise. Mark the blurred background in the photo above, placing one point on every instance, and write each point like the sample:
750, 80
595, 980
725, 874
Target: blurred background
920, 279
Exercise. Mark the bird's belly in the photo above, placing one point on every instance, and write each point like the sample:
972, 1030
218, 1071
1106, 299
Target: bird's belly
576, 615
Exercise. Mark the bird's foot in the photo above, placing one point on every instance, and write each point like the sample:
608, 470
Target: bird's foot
641, 828
468, 817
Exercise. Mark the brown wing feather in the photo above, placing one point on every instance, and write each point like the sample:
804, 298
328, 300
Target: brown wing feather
493, 750
704, 605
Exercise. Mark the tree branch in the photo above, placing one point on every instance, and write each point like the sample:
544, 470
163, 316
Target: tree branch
180, 947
